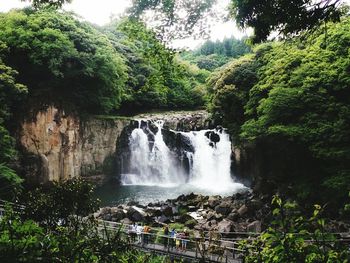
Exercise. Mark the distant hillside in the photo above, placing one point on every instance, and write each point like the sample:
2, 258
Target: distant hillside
212, 55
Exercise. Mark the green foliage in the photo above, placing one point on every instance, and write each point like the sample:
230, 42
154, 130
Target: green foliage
294, 238
230, 92
10, 183
175, 18
156, 78
48, 3
286, 17
54, 205
63, 61
25, 241
10, 91
22, 241
212, 55
291, 100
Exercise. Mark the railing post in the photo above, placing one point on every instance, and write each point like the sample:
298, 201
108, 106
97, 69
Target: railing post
168, 244
196, 248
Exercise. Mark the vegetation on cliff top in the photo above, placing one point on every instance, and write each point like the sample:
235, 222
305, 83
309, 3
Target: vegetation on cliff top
292, 101
211, 55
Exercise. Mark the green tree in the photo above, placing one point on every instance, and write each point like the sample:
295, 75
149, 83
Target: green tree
293, 237
47, 3
10, 90
63, 61
293, 109
156, 77
286, 17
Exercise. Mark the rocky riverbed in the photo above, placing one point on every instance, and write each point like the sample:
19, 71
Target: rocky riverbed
241, 212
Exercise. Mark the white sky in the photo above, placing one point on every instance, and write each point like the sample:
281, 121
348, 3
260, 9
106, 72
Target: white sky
101, 11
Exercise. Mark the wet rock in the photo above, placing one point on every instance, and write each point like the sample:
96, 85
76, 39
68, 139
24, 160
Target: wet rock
224, 208
167, 211
213, 201
135, 214
163, 219
212, 224
153, 212
226, 226
118, 215
233, 216
242, 210
191, 208
255, 204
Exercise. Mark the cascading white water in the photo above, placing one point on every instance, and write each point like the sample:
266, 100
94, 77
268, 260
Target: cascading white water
153, 163
210, 162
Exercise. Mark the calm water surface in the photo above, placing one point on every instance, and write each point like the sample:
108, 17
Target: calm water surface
114, 194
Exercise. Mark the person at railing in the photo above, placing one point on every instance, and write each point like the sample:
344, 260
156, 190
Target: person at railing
173, 238
178, 238
166, 236
139, 229
146, 231
132, 233
185, 238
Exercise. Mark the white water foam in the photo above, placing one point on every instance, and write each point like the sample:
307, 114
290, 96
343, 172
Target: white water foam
153, 164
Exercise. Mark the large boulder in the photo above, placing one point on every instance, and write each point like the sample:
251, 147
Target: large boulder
213, 201
135, 214
233, 216
243, 210
255, 204
223, 208
163, 219
167, 211
226, 226
118, 215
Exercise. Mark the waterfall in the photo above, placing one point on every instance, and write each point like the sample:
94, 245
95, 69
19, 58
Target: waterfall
207, 153
210, 162
151, 162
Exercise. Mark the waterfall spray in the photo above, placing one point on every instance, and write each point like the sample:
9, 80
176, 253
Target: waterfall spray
153, 163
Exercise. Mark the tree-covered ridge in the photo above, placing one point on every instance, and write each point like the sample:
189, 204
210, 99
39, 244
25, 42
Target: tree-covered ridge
292, 100
63, 61
157, 78
211, 55
75, 66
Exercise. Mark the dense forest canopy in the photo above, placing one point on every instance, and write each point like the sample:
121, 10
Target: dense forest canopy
211, 55
292, 100
64, 61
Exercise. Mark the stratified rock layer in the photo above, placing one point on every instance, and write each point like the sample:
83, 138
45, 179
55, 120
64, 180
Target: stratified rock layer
56, 146
67, 147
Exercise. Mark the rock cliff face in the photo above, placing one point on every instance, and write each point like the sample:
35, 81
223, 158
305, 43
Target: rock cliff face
63, 146
180, 120
56, 146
